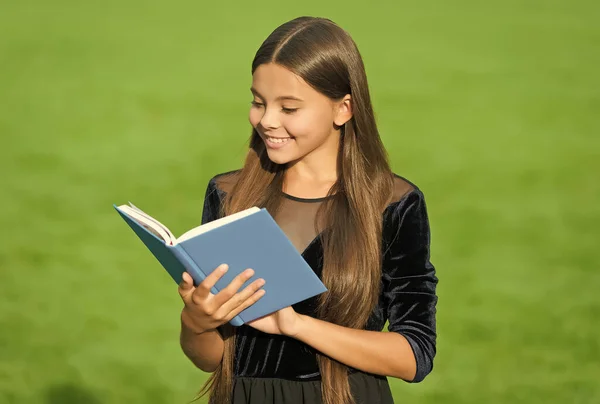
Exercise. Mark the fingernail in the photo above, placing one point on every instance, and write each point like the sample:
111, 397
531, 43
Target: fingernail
224, 267
250, 272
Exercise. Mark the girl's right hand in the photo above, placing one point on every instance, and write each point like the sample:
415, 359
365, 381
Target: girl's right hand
204, 311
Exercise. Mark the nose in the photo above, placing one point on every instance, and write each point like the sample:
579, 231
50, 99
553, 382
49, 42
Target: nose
269, 119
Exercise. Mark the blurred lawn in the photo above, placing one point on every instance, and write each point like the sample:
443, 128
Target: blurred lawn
491, 107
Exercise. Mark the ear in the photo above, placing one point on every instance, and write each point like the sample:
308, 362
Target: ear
343, 110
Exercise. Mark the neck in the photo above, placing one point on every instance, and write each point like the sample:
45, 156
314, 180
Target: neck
317, 170
319, 166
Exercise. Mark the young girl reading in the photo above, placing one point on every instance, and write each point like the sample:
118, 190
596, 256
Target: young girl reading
317, 163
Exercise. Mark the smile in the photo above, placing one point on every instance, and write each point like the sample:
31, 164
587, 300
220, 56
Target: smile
277, 139
277, 143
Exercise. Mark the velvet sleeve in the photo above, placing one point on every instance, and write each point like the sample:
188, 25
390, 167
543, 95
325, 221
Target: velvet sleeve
409, 280
212, 201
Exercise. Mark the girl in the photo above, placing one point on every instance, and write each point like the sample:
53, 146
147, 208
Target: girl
317, 163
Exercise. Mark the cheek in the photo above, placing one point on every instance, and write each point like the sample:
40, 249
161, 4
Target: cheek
297, 127
254, 117
308, 126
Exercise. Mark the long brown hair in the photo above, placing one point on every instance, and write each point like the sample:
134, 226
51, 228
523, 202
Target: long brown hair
327, 58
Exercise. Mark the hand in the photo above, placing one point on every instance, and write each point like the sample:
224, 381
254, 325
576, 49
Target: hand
204, 311
283, 322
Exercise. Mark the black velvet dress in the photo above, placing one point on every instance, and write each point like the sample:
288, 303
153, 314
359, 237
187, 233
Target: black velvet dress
282, 370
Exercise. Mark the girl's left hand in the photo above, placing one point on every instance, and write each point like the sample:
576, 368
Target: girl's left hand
283, 322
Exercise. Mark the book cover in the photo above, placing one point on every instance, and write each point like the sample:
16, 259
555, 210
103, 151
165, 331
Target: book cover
254, 241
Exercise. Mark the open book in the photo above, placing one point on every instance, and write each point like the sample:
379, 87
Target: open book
247, 239
163, 232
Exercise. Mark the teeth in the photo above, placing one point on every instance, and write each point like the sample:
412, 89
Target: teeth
274, 140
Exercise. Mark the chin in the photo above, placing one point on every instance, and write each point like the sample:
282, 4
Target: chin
279, 159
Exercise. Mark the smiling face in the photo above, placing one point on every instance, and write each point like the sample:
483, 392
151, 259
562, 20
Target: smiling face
286, 107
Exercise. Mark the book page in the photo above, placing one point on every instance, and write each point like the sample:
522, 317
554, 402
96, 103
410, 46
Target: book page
149, 223
152, 230
216, 223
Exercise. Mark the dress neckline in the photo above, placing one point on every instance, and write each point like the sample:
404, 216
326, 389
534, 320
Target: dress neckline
309, 200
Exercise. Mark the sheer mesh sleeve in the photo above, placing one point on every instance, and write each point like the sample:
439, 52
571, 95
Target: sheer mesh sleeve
409, 280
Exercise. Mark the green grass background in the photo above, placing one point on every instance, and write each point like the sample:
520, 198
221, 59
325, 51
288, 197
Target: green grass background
492, 108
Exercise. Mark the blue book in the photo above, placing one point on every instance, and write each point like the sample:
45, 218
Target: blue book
246, 239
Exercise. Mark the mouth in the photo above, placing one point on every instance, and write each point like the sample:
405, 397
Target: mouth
276, 139
277, 142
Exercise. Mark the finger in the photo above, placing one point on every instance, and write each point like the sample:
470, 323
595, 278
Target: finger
186, 286
247, 303
226, 293
203, 289
239, 298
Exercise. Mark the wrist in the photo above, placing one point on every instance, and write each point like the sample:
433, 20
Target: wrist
301, 326
188, 326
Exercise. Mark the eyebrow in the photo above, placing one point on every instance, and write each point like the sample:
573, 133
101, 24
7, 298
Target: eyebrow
280, 98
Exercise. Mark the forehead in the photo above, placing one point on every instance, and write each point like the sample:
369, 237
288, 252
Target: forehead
272, 80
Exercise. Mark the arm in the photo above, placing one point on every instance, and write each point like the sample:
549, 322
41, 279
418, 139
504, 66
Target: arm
409, 300
382, 353
205, 350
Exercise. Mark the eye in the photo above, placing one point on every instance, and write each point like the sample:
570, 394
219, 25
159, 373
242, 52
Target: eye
256, 103
289, 110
